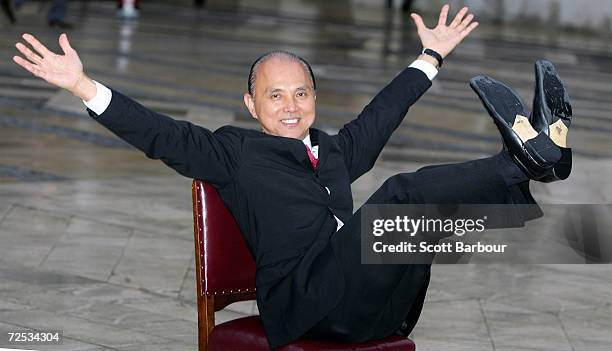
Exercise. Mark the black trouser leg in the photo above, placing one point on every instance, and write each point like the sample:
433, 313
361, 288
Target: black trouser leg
379, 298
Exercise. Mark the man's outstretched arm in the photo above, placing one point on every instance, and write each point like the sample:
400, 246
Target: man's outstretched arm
363, 138
191, 150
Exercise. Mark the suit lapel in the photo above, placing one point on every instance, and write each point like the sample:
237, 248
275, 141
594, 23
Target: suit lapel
298, 151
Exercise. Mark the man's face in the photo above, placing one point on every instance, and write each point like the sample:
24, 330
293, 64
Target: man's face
284, 101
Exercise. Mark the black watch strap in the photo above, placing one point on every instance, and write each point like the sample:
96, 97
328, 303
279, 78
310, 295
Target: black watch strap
435, 55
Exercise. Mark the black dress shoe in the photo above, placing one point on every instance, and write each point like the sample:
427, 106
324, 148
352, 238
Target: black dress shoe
535, 157
60, 24
551, 103
550, 99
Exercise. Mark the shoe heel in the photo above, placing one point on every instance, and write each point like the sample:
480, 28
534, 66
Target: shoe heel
562, 169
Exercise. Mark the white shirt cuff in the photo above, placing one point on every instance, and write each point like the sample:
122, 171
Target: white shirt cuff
100, 102
430, 70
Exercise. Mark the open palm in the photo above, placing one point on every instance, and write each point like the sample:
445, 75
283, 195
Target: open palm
443, 38
64, 71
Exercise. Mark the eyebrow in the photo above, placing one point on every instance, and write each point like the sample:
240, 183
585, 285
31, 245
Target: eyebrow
303, 87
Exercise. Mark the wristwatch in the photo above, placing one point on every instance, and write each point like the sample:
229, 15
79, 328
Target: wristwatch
435, 55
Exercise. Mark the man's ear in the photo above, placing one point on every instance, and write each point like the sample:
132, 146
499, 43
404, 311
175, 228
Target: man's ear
250, 104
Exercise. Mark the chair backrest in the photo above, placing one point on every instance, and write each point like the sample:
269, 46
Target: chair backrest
225, 269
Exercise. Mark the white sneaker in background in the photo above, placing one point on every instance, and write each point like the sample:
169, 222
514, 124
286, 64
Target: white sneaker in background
128, 11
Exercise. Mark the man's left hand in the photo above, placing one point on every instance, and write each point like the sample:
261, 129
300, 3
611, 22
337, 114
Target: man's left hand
443, 39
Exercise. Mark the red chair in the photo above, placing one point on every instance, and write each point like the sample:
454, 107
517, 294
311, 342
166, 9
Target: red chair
223, 279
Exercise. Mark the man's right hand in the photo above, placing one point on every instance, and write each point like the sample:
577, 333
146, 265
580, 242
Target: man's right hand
444, 38
64, 71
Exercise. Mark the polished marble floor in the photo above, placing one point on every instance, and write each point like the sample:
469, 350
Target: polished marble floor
96, 240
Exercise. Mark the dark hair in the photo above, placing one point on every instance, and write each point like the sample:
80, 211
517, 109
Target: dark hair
277, 53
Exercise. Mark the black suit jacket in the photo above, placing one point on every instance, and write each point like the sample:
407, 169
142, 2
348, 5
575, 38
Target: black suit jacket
280, 204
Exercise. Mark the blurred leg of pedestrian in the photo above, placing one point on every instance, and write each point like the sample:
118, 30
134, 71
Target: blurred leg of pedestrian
56, 14
407, 6
7, 8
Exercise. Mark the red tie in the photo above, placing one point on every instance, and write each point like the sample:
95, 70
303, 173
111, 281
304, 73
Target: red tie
313, 160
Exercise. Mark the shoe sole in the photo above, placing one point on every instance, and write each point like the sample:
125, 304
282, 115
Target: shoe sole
556, 103
536, 156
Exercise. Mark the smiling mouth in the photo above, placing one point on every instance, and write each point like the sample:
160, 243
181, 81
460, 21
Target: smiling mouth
290, 121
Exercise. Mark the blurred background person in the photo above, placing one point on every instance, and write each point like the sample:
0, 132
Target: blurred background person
55, 15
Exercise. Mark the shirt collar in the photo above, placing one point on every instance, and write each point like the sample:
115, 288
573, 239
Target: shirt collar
313, 149
307, 142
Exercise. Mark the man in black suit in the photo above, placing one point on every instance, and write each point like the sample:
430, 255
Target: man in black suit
288, 186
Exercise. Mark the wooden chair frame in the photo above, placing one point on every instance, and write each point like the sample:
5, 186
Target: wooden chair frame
208, 302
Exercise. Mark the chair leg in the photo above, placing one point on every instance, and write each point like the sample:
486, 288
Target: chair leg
206, 320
